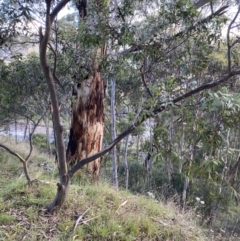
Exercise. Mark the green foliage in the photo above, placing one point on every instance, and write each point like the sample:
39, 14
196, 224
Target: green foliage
40, 141
6, 219
13, 20
22, 88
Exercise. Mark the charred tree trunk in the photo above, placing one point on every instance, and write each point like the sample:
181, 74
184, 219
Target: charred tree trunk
86, 132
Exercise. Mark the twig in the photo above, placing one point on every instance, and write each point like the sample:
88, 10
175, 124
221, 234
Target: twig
144, 82
159, 221
121, 205
88, 220
80, 219
54, 68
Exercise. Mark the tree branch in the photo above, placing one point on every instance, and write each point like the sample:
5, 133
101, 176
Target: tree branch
180, 34
201, 3
54, 69
58, 8
228, 41
13, 153
16, 112
24, 162
144, 82
31, 134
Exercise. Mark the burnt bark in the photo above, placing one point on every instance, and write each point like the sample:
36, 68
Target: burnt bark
87, 125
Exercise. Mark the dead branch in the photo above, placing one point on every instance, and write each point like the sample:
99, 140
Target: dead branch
121, 205
80, 219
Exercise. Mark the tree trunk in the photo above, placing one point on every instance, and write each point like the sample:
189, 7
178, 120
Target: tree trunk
15, 125
126, 163
169, 164
138, 140
184, 193
48, 144
113, 132
87, 125
63, 186
25, 130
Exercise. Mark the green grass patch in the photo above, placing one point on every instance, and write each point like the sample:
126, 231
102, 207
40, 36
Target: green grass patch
6, 219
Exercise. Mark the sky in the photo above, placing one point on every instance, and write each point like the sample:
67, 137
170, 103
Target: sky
66, 10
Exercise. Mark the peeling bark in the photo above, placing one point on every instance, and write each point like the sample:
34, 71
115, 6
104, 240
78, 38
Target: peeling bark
86, 132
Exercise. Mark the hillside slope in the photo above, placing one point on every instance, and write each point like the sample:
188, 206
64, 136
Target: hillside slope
106, 214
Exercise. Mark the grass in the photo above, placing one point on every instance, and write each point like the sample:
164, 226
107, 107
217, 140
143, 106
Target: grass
109, 214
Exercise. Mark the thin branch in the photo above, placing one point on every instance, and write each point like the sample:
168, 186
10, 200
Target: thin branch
24, 162
32, 132
235, 42
16, 112
54, 69
80, 219
201, 3
228, 41
58, 8
144, 82
26, 42
13, 153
